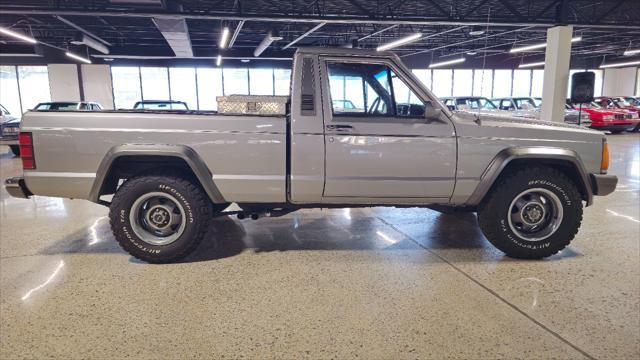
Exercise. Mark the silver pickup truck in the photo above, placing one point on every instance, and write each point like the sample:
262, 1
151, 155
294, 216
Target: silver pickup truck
164, 175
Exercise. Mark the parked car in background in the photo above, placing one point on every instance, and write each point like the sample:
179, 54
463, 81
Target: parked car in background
518, 106
614, 120
620, 102
529, 107
161, 105
472, 104
9, 129
69, 105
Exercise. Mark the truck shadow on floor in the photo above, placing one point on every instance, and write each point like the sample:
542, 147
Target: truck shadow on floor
228, 237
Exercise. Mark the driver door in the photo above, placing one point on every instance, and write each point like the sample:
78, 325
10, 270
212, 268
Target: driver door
384, 147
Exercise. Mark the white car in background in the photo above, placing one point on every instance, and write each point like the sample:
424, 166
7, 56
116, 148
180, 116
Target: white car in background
475, 104
69, 106
528, 107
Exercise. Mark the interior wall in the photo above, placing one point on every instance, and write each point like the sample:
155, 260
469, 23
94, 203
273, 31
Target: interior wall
96, 84
63, 82
620, 81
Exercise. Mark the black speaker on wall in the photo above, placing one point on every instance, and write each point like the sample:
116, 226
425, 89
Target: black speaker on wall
582, 84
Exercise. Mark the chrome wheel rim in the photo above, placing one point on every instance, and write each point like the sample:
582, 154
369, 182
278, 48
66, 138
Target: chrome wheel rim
157, 218
535, 214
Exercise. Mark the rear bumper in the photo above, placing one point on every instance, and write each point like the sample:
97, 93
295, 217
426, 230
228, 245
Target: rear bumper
603, 184
16, 187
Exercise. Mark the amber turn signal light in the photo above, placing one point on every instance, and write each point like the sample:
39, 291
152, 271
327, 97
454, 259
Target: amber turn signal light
604, 163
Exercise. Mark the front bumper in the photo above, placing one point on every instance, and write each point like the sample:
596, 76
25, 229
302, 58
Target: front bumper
603, 184
8, 141
16, 187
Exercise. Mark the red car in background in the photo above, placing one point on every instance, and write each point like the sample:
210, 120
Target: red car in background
628, 103
614, 120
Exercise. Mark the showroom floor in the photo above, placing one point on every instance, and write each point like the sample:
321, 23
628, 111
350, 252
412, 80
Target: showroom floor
373, 283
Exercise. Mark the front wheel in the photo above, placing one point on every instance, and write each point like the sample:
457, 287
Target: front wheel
160, 218
531, 213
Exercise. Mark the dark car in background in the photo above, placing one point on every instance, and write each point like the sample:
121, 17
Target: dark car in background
9, 129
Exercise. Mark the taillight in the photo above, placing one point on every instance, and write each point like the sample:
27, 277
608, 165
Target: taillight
26, 151
604, 163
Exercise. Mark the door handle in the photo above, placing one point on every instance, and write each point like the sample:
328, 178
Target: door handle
340, 128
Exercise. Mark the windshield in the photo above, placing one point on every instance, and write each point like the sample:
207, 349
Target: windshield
4, 111
525, 103
57, 106
633, 101
474, 104
161, 105
621, 102
537, 102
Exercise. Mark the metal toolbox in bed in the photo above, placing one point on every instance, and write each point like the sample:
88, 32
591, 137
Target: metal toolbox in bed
252, 105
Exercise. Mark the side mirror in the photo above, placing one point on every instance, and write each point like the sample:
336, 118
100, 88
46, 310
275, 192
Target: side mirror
431, 113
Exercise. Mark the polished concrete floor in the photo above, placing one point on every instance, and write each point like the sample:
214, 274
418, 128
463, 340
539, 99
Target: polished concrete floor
373, 283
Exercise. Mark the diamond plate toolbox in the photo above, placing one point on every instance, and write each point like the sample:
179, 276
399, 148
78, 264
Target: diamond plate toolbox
252, 105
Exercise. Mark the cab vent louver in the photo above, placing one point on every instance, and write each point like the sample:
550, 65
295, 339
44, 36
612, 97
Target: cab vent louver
308, 93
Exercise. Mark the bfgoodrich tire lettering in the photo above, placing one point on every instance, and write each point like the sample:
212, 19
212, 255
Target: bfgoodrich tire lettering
196, 212
495, 212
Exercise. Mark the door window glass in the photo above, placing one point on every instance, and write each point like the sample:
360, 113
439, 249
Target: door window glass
370, 90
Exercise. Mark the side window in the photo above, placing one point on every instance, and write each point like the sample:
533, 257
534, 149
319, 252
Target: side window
83, 106
370, 90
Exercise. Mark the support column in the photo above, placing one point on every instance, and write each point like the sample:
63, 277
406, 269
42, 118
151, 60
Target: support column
556, 72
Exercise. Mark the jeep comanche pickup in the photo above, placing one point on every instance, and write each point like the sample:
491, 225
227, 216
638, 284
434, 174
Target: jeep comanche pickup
171, 172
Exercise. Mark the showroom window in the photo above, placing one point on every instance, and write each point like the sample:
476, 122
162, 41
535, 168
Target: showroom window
442, 82
198, 87
521, 83
23, 87
9, 94
502, 83
183, 86
209, 87
282, 81
424, 75
261, 81
34, 86
462, 82
537, 78
155, 83
482, 82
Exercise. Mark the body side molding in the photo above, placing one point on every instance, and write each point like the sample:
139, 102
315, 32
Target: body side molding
193, 160
505, 156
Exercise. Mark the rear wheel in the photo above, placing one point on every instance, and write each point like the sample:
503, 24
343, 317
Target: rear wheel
15, 149
532, 213
160, 218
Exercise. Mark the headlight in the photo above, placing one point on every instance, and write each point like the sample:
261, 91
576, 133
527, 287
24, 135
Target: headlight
584, 116
608, 117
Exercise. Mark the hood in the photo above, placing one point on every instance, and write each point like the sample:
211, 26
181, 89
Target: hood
502, 121
9, 119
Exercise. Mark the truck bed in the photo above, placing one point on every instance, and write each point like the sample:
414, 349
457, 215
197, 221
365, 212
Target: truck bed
246, 155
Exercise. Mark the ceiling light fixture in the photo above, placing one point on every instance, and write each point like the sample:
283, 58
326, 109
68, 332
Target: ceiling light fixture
399, 42
271, 36
18, 35
472, 52
538, 46
631, 52
224, 37
530, 65
476, 31
219, 60
627, 63
79, 58
448, 62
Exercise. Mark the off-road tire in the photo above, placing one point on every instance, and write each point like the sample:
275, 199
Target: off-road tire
494, 211
15, 149
193, 199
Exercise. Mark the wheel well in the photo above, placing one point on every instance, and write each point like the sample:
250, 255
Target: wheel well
567, 167
127, 166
